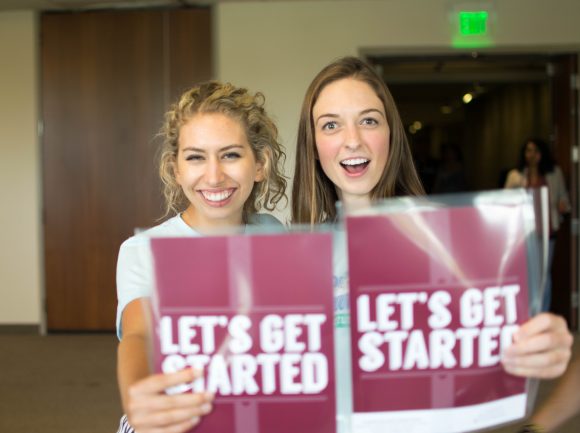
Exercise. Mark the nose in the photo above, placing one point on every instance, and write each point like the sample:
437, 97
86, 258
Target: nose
214, 173
352, 138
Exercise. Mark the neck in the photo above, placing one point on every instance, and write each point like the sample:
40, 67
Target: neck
209, 226
354, 202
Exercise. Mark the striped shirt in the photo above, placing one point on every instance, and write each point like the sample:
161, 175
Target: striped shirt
124, 426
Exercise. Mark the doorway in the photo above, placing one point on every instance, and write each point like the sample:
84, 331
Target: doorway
475, 109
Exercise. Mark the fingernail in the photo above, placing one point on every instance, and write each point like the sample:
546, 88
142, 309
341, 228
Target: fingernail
205, 408
194, 420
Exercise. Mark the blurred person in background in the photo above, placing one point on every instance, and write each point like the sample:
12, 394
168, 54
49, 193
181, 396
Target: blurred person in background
536, 168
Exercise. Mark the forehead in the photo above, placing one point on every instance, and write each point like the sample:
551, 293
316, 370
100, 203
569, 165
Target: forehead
347, 94
212, 130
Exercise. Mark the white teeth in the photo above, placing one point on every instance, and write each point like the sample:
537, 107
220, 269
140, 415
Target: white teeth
217, 196
354, 161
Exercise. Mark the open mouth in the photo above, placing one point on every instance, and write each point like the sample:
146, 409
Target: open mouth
217, 197
355, 165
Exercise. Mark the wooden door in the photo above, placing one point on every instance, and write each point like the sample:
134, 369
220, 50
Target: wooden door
107, 78
564, 268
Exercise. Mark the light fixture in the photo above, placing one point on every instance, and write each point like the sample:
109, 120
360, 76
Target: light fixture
467, 98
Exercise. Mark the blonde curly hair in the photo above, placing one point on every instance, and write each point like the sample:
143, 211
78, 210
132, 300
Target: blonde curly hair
261, 132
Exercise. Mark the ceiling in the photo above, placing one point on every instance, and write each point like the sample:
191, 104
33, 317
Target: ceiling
430, 88
6, 5
463, 67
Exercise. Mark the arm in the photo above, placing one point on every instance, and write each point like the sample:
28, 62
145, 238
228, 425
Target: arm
563, 201
563, 403
132, 364
541, 348
147, 406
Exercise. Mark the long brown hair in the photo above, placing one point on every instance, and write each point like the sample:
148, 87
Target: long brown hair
314, 195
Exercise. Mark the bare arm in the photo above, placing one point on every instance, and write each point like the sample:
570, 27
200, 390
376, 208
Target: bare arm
148, 408
563, 403
132, 364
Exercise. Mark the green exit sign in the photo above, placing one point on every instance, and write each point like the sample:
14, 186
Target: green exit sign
473, 23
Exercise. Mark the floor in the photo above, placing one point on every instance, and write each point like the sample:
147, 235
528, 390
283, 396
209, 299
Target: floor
66, 383
58, 383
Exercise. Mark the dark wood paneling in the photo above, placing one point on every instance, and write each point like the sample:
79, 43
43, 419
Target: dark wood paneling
564, 268
106, 81
190, 59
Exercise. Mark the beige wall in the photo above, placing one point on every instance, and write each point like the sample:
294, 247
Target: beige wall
275, 47
20, 291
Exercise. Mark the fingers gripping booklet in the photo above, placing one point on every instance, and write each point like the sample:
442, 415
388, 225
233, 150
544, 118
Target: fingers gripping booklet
437, 289
254, 312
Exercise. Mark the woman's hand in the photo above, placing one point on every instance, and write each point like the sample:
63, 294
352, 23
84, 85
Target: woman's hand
541, 348
150, 410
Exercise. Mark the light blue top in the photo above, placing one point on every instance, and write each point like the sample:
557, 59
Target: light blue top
134, 265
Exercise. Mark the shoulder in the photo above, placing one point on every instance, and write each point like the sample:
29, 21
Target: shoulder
515, 178
264, 219
515, 172
174, 226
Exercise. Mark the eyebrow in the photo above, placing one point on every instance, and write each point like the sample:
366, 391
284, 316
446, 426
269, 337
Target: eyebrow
333, 116
373, 110
363, 112
222, 149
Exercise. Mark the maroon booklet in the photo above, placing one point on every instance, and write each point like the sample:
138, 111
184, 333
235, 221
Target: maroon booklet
255, 313
436, 293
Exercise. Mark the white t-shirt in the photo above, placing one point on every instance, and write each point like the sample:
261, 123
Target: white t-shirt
134, 265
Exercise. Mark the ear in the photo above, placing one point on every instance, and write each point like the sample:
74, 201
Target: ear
260, 172
176, 173
263, 167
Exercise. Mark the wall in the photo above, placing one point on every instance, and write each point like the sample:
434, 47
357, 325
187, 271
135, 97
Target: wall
20, 192
275, 47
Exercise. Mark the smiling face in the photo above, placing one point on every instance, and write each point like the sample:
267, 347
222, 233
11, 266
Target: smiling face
352, 138
216, 169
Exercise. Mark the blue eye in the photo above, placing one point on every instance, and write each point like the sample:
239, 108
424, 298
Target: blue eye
329, 125
193, 157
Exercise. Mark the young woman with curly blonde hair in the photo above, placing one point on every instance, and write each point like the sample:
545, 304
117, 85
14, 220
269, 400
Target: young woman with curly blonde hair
220, 164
